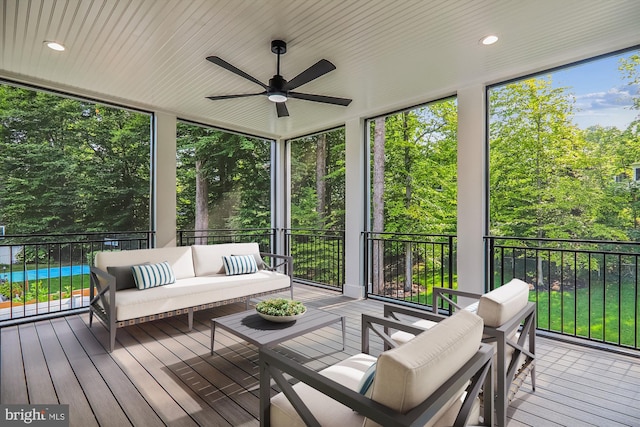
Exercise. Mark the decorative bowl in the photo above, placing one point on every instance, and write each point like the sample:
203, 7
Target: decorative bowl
280, 310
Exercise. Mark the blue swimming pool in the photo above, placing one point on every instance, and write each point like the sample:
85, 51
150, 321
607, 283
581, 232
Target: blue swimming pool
43, 273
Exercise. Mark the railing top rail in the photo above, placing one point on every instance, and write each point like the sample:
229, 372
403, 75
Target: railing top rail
391, 234
90, 233
225, 230
550, 240
314, 229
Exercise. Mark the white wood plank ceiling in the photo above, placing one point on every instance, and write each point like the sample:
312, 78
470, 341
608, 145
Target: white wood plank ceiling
389, 54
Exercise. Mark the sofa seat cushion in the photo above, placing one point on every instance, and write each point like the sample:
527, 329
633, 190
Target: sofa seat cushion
179, 258
503, 303
194, 291
327, 411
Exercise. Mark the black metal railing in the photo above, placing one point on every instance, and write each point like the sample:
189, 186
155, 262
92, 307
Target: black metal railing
406, 267
583, 288
318, 256
48, 273
265, 237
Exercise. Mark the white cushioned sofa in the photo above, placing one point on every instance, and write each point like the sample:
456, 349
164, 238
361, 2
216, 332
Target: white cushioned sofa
199, 281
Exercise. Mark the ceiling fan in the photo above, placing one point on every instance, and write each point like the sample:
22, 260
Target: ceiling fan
280, 90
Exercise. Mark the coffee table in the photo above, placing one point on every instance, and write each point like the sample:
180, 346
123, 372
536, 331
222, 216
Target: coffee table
249, 326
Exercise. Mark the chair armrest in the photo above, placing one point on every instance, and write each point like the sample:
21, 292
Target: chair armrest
476, 372
440, 294
392, 310
373, 323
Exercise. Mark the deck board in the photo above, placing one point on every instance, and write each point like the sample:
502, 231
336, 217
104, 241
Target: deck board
162, 374
68, 389
13, 387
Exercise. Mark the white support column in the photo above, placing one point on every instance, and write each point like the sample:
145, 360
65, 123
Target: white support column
281, 191
354, 208
164, 210
471, 188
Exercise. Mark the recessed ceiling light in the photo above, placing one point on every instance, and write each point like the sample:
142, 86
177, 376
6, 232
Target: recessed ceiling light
490, 39
54, 45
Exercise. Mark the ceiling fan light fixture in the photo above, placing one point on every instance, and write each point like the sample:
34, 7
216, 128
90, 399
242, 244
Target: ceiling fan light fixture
277, 97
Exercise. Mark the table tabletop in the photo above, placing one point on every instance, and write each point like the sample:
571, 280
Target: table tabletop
249, 326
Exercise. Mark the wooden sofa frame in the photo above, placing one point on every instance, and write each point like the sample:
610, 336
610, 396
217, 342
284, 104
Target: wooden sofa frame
104, 306
509, 376
477, 373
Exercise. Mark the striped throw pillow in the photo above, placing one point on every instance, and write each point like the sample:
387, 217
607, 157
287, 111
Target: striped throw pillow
152, 275
239, 264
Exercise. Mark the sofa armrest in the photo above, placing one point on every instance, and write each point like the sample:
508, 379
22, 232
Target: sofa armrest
101, 282
476, 373
279, 261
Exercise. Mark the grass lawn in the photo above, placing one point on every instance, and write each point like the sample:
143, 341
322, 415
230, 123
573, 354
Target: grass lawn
608, 313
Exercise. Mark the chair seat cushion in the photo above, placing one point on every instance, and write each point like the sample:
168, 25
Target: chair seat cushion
401, 337
328, 412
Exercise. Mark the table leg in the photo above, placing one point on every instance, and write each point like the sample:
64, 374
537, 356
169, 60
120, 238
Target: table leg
213, 334
344, 331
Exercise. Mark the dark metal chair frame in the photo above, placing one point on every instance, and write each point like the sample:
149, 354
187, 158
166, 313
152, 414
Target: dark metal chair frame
510, 376
477, 373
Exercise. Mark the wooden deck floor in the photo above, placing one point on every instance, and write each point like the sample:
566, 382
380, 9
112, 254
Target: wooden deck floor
161, 374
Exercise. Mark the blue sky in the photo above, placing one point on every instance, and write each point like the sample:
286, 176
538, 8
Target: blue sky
603, 97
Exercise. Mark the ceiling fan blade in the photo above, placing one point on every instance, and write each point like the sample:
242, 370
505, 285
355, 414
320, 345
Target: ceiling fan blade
320, 98
224, 64
318, 69
281, 108
244, 95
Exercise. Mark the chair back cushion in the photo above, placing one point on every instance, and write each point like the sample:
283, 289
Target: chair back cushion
409, 374
501, 304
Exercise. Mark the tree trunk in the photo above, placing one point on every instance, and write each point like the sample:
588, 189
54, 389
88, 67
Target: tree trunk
408, 190
202, 204
321, 172
377, 262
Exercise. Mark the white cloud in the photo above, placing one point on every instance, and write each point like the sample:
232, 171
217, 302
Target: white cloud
615, 97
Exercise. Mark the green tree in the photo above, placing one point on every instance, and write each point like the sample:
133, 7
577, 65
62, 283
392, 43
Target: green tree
542, 181
71, 166
231, 171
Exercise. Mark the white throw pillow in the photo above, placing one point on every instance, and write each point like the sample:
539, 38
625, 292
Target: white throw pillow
239, 264
151, 275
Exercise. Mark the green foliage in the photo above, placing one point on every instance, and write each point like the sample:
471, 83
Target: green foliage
71, 166
280, 307
420, 184
318, 163
236, 171
550, 179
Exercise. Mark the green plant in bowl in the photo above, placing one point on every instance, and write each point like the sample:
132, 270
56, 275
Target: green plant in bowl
280, 309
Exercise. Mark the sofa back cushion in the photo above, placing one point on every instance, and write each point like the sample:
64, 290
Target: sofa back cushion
207, 259
409, 374
179, 258
501, 304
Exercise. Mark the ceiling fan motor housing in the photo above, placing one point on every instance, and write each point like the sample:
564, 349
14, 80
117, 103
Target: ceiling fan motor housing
276, 85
